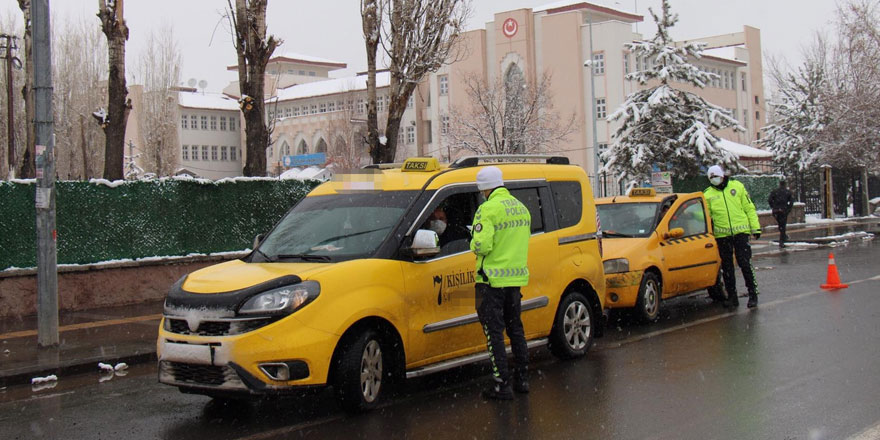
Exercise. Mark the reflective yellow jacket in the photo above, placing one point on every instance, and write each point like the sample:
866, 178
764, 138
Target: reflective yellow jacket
501, 232
732, 210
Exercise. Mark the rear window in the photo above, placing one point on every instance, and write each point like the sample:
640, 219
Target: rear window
529, 198
569, 202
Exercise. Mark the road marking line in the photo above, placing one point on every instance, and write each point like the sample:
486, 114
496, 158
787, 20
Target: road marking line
84, 325
872, 433
777, 302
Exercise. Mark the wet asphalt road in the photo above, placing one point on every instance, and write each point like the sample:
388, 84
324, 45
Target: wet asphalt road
804, 365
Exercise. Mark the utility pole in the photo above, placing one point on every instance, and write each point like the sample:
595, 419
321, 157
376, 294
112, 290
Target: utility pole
44, 124
9, 43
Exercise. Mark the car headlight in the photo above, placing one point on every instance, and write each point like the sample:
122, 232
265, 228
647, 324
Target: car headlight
616, 265
282, 300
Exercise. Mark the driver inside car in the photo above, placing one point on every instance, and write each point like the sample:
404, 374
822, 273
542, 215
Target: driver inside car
448, 233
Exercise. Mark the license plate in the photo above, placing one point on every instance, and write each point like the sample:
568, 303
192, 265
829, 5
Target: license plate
186, 353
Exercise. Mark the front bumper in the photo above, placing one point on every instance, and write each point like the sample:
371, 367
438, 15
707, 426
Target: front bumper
622, 289
245, 363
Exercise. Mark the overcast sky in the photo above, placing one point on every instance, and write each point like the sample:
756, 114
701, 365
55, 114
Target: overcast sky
331, 28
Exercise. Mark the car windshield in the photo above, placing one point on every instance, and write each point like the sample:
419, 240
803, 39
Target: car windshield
335, 227
627, 219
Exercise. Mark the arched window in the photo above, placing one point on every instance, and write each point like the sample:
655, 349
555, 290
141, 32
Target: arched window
322, 146
302, 147
285, 149
514, 97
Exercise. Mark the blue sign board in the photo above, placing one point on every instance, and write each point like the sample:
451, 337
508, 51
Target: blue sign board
304, 160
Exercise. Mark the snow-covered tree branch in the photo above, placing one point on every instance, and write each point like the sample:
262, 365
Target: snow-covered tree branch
663, 125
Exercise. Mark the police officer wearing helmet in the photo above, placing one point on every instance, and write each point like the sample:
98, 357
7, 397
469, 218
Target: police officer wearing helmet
501, 232
733, 219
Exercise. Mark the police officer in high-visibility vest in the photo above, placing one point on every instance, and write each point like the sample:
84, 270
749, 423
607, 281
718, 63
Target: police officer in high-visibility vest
733, 219
501, 232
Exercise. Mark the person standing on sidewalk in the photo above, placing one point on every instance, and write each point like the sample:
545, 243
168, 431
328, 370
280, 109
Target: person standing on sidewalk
501, 232
781, 201
733, 219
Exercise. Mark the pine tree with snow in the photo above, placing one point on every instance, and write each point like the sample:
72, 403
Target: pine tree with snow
662, 125
800, 118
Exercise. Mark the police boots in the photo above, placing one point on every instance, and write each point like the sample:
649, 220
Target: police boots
498, 391
521, 380
753, 300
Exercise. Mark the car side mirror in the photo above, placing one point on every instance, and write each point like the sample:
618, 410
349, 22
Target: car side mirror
674, 233
426, 243
257, 240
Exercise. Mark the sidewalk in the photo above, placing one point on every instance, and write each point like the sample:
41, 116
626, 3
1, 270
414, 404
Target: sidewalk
128, 334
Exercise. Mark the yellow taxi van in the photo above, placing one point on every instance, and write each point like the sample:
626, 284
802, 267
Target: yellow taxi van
355, 288
657, 246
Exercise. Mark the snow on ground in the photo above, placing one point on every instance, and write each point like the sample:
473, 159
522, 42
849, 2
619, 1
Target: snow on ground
862, 235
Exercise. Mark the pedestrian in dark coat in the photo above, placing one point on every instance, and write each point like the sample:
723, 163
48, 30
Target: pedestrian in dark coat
781, 201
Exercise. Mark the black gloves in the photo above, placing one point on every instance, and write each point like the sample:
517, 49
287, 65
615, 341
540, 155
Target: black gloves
756, 235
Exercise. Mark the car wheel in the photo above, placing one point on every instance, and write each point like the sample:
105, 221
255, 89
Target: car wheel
359, 374
648, 302
572, 332
716, 292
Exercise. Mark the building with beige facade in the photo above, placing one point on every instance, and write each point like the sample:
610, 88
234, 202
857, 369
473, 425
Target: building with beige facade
555, 39
311, 114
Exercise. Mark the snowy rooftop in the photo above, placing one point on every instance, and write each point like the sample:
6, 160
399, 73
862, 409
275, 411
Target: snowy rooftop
332, 86
744, 151
214, 101
600, 6
293, 56
725, 53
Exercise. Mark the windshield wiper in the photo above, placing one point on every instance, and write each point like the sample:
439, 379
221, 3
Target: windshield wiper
339, 237
615, 234
304, 257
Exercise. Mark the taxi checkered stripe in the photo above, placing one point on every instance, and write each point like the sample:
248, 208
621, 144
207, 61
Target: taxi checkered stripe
522, 271
675, 241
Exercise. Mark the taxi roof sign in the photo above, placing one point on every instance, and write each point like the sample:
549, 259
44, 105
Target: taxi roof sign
642, 192
421, 164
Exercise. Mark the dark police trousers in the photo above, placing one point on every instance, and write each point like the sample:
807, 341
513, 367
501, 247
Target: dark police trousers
781, 220
738, 245
499, 308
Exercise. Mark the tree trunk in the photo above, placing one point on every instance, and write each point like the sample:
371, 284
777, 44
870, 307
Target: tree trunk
83, 148
370, 12
254, 49
118, 106
27, 170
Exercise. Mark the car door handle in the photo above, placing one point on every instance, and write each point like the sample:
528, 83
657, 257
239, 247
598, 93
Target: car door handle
709, 245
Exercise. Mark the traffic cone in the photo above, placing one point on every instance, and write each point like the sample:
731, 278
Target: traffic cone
833, 279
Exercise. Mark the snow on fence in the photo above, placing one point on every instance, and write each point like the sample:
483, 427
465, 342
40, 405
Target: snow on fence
97, 221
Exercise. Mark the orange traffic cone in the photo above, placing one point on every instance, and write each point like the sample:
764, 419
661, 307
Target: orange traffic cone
833, 279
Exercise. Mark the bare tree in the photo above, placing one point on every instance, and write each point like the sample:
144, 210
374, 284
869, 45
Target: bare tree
247, 21
827, 111
508, 116
27, 168
417, 37
158, 69
115, 119
80, 73
347, 136
11, 27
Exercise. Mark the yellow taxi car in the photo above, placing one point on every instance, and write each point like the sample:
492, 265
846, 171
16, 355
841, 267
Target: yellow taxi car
657, 246
358, 284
